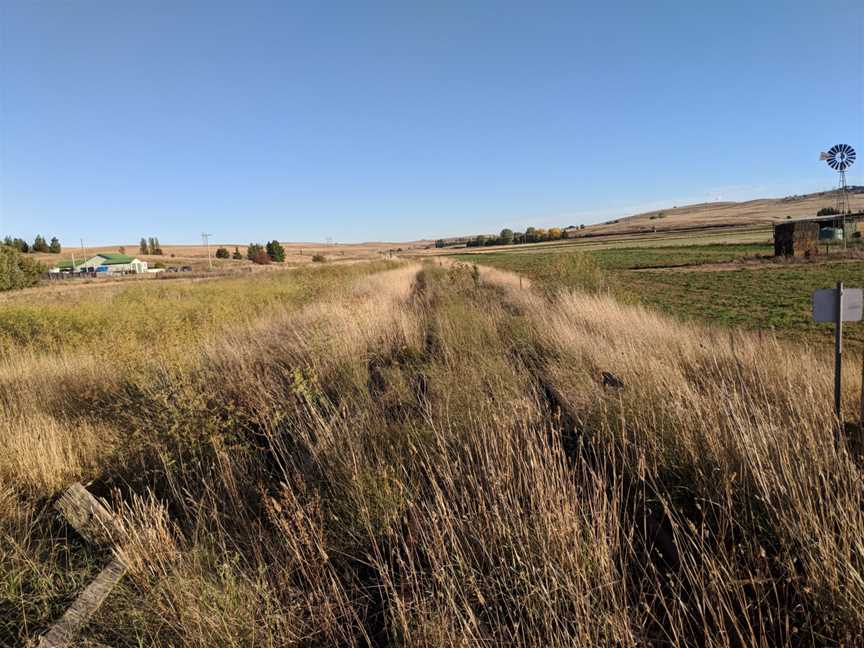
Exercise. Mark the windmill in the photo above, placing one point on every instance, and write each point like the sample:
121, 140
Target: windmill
840, 157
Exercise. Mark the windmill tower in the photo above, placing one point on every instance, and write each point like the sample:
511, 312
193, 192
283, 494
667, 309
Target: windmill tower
840, 157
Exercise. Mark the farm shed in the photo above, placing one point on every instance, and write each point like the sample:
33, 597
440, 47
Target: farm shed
800, 237
109, 263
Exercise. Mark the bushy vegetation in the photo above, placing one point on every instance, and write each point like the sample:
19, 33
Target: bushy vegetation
222, 253
164, 317
432, 457
17, 270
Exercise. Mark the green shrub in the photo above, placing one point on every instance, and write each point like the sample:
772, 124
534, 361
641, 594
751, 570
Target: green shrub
16, 270
319, 258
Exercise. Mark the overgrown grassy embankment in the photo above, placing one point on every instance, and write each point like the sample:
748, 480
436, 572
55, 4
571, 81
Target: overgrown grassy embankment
436, 457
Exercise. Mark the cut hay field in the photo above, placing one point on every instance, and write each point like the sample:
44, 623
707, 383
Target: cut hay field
407, 454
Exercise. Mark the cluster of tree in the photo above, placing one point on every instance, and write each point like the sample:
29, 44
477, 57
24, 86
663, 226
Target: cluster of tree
17, 270
150, 246
39, 244
828, 211
509, 237
263, 254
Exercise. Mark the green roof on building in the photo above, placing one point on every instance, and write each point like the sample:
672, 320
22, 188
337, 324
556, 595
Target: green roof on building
113, 258
108, 258
68, 264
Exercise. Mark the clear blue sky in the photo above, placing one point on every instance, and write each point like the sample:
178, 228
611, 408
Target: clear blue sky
401, 120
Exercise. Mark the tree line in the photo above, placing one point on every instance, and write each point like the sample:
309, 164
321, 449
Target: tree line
257, 253
509, 237
270, 252
39, 244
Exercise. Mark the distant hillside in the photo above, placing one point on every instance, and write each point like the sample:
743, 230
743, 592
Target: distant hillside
763, 211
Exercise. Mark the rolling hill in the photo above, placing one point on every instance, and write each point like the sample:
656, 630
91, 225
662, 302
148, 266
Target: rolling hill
763, 211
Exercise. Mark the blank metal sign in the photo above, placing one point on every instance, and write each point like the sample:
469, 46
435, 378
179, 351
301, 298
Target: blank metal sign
825, 305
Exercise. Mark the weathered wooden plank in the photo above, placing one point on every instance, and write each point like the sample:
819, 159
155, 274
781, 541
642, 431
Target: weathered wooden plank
87, 515
63, 632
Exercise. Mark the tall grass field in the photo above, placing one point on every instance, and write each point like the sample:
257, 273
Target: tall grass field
436, 454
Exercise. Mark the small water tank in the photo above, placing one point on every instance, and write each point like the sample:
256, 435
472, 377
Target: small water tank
830, 234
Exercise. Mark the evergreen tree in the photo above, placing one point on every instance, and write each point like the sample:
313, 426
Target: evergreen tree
275, 251
222, 253
236, 254
142, 247
54, 248
8, 242
253, 250
153, 246
39, 244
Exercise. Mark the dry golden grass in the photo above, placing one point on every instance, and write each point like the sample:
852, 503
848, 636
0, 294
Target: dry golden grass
430, 457
196, 255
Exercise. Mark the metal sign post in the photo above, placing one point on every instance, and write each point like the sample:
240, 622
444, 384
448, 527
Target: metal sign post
838, 305
838, 348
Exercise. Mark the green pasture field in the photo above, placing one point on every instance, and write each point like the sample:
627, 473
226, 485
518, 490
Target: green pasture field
628, 258
768, 295
773, 297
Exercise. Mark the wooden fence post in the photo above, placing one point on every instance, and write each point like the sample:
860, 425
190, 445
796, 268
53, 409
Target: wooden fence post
89, 517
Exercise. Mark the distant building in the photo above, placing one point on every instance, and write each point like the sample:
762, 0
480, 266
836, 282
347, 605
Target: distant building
108, 263
807, 237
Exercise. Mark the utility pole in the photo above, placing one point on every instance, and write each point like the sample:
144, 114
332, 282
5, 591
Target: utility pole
206, 238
